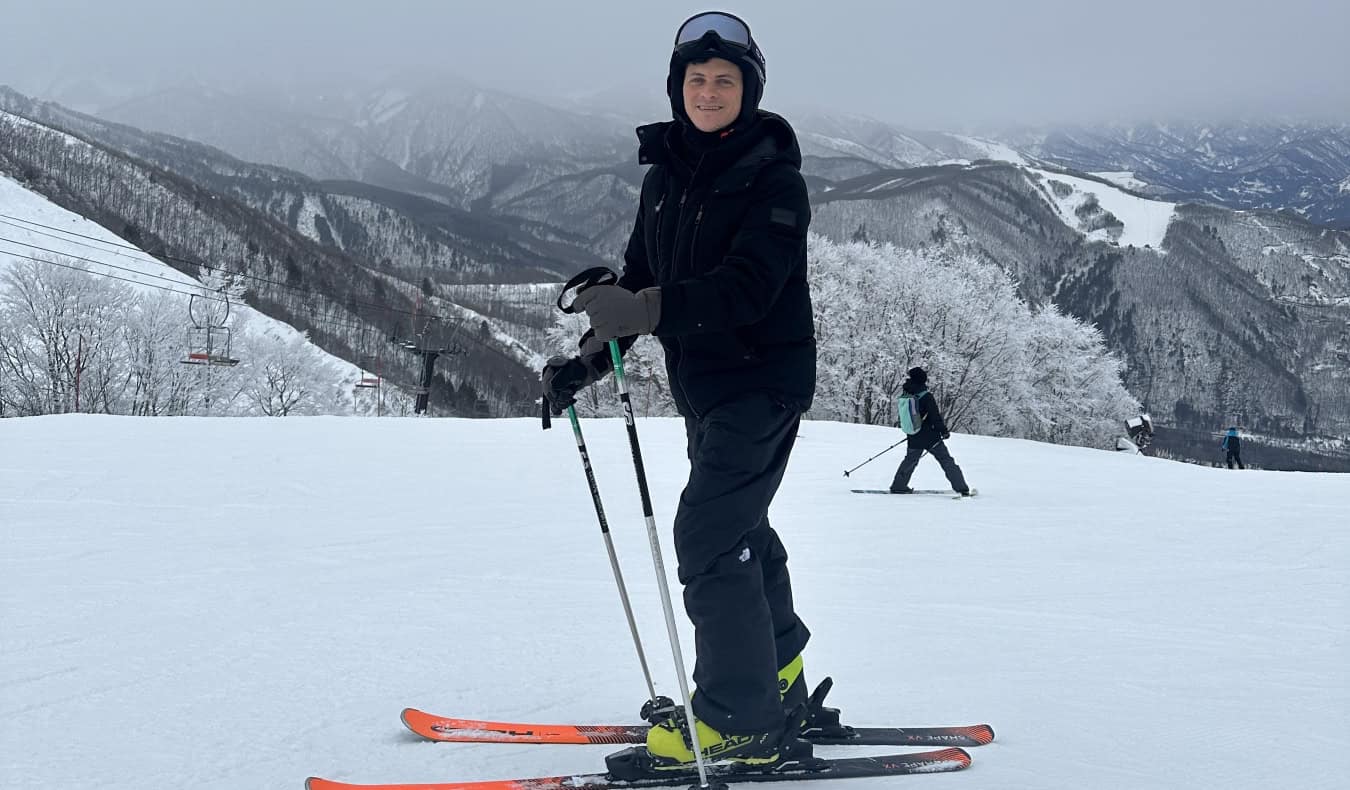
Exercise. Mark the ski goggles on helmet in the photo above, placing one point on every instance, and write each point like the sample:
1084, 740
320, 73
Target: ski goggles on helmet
727, 27
713, 30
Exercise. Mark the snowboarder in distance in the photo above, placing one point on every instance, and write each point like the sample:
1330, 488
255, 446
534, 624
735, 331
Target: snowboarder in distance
919, 413
1232, 447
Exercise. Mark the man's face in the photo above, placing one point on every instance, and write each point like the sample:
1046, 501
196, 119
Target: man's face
712, 94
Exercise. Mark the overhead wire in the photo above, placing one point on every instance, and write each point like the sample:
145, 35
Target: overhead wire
413, 314
13, 221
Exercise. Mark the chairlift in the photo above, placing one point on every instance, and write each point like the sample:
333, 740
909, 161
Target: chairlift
208, 342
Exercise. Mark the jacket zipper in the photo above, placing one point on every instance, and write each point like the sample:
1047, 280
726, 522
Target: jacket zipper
693, 243
679, 221
657, 211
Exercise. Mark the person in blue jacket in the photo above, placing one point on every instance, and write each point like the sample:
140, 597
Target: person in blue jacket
1232, 446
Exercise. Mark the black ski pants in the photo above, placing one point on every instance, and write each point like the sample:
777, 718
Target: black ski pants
734, 567
940, 452
1234, 456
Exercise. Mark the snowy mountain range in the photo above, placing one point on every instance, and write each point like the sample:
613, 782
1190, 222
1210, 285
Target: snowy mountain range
1210, 307
1297, 167
476, 142
440, 136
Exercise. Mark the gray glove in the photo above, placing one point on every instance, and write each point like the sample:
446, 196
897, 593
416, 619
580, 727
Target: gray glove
618, 312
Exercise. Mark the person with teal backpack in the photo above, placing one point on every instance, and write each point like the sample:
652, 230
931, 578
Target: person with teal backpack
921, 420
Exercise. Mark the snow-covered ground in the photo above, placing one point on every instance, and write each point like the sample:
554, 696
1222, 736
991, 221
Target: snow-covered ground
1145, 220
1122, 178
995, 150
240, 603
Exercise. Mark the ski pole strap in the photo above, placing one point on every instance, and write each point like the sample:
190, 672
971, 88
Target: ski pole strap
596, 275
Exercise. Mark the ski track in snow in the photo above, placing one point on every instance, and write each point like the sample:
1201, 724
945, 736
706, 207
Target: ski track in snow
241, 603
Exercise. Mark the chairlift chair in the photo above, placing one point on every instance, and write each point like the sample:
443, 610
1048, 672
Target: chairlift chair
208, 343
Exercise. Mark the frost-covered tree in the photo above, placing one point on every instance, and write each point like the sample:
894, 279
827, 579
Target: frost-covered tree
286, 375
995, 366
59, 337
157, 381
880, 311
1075, 383
71, 340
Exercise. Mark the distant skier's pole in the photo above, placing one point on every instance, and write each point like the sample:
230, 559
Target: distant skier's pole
875, 457
654, 539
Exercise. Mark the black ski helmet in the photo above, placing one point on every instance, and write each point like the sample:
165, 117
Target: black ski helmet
717, 34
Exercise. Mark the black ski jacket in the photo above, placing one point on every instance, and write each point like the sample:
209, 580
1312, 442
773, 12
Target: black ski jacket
725, 239
930, 433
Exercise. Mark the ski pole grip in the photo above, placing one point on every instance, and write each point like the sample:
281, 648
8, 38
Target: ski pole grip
548, 423
616, 358
596, 275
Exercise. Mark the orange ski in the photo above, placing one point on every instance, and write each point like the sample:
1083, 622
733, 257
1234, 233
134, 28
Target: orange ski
439, 728
938, 761
442, 728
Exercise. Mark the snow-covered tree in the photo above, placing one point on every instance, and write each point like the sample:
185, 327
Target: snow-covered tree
59, 338
1075, 384
157, 381
995, 366
71, 340
283, 376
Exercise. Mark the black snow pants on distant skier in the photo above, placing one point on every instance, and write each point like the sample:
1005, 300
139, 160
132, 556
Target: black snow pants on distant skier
944, 458
732, 564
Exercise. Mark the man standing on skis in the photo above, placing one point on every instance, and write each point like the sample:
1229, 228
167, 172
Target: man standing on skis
930, 437
715, 268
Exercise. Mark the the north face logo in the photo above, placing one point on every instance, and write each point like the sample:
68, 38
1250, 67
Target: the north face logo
745, 554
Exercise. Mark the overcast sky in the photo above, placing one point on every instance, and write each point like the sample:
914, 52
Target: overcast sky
924, 64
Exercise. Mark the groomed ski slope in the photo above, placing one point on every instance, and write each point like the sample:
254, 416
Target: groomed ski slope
236, 604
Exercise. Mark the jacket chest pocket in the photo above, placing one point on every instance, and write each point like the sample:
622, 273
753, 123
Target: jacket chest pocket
716, 221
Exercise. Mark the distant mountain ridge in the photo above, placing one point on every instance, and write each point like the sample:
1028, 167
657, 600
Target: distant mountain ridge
1217, 312
1299, 167
414, 131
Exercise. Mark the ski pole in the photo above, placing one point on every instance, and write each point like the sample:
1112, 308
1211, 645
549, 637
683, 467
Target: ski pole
609, 546
875, 457
600, 275
654, 539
